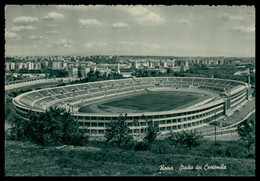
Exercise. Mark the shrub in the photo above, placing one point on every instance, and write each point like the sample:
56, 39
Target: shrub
131, 144
142, 146
161, 147
79, 138
189, 138
52, 128
246, 132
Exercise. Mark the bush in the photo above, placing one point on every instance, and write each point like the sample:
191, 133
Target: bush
161, 147
140, 146
79, 138
130, 145
52, 128
246, 132
189, 138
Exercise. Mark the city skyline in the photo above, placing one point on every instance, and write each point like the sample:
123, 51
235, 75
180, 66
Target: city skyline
40, 30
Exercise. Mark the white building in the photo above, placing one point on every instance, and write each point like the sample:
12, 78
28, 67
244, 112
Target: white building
73, 72
57, 65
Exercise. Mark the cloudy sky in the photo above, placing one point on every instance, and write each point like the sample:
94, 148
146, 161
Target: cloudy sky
130, 30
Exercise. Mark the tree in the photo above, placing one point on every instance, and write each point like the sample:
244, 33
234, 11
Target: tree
118, 132
17, 130
246, 132
152, 132
189, 138
54, 127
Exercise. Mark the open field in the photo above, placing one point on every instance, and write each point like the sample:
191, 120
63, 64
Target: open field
27, 159
147, 102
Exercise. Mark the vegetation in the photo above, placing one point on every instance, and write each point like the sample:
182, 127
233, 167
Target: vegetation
152, 132
201, 70
58, 73
118, 132
117, 155
26, 159
57, 127
97, 76
54, 127
246, 131
189, 138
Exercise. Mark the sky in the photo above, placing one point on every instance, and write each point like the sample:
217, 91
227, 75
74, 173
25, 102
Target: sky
47, 30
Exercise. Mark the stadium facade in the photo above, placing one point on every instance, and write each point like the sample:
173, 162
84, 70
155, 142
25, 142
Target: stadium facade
228, 96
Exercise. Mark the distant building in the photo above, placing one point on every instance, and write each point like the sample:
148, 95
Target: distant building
127, 72
65, 65
57, 65
244, 72
12, 66
37, 66
155, 71
30, 65
84, 71
73, 72
186, 63
176, 69
93, 69
104, 72
7, 66
118, 68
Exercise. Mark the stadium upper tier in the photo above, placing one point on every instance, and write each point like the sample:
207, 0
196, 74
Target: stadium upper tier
41, 99
59, 96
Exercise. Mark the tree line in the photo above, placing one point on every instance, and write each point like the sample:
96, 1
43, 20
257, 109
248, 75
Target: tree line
57, 127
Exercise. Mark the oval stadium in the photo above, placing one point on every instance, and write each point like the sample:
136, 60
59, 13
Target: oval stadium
175, 103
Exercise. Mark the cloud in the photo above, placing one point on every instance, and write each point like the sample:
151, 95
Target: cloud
184, 21
78, 7
151, 19
89, 22
49, 45
95, 44
136, 10
35, 37
61, 43
139, 44
22, 28
25, 20
53, 16
50, 25
123, 45
119, 26
11, 35
227, 17
245, 29
55, 32
142, 15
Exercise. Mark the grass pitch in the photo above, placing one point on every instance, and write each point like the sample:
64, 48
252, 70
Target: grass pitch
146, 102
154, 101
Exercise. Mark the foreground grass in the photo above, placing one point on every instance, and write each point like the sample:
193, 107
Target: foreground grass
27, 159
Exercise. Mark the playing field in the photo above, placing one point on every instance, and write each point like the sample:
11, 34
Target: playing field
146, 102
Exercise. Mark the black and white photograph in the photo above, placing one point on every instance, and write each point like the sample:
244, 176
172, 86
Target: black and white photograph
129, 90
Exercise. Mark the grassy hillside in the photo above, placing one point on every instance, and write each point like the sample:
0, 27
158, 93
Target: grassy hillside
27, 159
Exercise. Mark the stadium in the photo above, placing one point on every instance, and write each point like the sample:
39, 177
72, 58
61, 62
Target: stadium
174, 103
